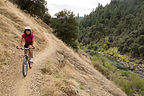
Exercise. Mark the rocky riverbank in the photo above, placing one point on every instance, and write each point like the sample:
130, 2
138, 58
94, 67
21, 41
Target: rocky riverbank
122, 64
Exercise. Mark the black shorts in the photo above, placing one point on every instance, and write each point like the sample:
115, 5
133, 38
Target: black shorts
26, 45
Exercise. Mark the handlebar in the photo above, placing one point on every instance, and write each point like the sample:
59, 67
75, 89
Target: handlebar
25, 48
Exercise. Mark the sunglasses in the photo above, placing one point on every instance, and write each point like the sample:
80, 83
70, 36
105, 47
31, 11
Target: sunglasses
27, 30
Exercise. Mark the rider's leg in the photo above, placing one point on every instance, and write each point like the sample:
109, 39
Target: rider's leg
30, 54
24, 51
25, 46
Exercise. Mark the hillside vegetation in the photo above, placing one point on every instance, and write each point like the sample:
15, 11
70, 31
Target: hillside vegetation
117, 31
119, 24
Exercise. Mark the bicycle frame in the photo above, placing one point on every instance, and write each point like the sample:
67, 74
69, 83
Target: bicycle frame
26, 54
25, 61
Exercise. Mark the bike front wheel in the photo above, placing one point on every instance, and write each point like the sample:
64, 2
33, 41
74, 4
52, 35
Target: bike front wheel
25, 66
30, 64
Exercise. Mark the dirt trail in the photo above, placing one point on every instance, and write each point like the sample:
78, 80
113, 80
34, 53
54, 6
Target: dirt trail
23, 87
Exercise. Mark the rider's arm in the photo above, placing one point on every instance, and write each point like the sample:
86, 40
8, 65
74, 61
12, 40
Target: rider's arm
21, 42
33, 42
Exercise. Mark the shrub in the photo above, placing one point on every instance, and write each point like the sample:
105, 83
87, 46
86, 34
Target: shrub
124, 73
141, 50
110, 66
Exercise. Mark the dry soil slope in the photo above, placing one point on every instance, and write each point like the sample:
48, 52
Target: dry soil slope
12, 23
58, 70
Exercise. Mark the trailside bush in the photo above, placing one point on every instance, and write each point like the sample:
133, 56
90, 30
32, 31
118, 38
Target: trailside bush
141, 50
134, 49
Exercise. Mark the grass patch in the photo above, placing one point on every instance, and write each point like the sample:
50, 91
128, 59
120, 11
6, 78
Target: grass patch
4, 57
98, 63
46, 71
48, 68
58, 76
133, 85
125, 73
82, 88
110, 66
48, 93
130, 83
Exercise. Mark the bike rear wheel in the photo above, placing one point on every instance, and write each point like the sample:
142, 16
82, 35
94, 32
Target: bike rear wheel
25, 66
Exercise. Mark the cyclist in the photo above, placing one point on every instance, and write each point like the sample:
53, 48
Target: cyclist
29, 41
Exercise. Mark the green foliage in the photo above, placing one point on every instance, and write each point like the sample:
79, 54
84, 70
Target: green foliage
47, 18
110, 66
97, 62
92, 46
134, 85
119, 21
140, 40
141, 50
134, 49
65, 27
34, 7
131, 83
125, 73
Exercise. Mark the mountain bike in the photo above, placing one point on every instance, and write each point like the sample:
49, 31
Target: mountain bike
26, 61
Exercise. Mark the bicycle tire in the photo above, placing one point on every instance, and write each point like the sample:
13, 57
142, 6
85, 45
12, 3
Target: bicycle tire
25, 66
30, 65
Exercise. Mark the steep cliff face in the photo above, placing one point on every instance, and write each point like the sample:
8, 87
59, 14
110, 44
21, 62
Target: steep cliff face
57, 69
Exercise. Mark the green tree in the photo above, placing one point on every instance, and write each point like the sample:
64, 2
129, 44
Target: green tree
134, 49
141, 51
121, 19
34, 7
140, 40
65, 27
47, 18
